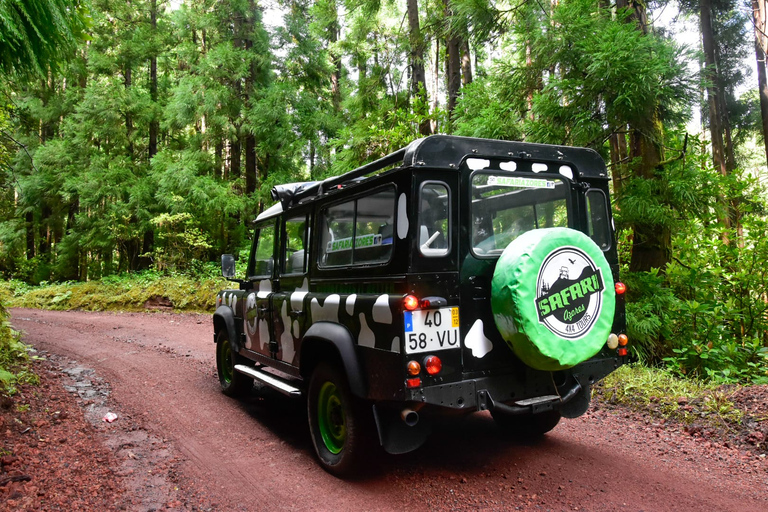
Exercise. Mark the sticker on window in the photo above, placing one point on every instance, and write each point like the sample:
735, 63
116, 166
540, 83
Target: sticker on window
345, 244
510, 181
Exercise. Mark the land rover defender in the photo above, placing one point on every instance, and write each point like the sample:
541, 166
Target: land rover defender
454, 275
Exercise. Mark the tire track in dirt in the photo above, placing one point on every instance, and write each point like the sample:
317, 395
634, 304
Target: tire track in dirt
255, 454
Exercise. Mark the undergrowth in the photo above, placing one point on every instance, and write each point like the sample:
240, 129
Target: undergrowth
14, 358
123, 292
655, 390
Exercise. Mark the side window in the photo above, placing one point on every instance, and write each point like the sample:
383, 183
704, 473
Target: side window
295, 257
434, 215
358, 232
598, 225
263, 253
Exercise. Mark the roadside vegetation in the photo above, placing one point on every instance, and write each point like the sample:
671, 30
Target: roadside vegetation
657, 390
141, 291
15, 364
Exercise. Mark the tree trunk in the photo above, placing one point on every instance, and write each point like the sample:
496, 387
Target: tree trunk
760, 41
710, 72
29, 225
436, 77
334, 32
652, 243
453, 61
250, 139
154, 125
128, 117
466, 63
418, 75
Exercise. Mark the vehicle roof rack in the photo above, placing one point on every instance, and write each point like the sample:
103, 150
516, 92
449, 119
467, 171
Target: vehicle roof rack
448, 152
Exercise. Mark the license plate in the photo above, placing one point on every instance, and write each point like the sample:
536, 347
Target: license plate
429, 330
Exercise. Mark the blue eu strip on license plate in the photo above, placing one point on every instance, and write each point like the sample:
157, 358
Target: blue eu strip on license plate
408, 316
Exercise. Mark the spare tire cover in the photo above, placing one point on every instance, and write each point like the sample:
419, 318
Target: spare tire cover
553, 298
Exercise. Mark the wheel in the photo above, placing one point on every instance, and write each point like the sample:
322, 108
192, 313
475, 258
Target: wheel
233, 383
337, 423
530, 426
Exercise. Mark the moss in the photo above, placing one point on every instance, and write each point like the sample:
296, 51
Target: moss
658, 391
132, 293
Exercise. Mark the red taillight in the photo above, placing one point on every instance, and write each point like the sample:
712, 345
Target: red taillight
414, 368
622, 351
433, 364
413, 383
410, 302
621, 288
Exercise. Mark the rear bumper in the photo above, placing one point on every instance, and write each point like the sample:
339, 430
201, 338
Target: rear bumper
514, 394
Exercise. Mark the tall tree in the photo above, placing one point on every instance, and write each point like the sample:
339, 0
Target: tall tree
760, 20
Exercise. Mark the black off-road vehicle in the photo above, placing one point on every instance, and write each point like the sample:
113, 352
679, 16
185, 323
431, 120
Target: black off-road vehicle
454, 275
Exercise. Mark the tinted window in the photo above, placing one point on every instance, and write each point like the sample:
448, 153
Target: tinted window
598, 224
295, 256
505, 206
434, 212
264, 258
358, 232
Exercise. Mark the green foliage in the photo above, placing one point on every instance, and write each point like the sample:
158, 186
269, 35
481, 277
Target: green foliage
14, 358
705, 315
194, 290
644, 388
38, 34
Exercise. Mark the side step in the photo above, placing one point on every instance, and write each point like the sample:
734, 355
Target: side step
538, 400
270, 380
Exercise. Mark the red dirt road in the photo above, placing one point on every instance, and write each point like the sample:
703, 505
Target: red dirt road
212, 452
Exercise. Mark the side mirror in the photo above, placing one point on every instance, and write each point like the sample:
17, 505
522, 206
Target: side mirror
228, 266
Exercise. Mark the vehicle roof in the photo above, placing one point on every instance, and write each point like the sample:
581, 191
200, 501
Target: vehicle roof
444, 152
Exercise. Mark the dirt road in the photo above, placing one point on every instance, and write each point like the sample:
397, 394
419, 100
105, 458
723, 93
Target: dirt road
204, 450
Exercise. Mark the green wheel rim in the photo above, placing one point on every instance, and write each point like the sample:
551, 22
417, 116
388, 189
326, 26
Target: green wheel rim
331, 418
225, 360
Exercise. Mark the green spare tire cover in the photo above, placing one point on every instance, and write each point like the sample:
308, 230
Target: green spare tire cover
553, 298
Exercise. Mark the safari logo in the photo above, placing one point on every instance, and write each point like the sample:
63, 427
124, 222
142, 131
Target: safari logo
569, 292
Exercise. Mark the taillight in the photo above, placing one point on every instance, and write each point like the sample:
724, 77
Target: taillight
623, 340
620, 288
433, 365
413, 383
414, 368
410, 302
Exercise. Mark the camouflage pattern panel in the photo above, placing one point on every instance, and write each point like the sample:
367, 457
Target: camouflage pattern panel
290, 318
234, 299
256, 317
373, 319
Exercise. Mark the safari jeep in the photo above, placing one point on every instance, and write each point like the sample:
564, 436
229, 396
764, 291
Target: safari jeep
452, 276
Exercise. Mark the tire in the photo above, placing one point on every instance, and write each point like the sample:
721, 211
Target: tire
553, 298
340, 430
233, 383
526, 427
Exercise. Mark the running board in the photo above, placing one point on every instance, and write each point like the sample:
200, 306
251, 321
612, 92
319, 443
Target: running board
537, 400
270, 380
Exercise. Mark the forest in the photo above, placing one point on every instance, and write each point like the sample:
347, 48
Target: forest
147, 135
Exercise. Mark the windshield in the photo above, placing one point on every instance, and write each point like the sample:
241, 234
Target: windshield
505, 206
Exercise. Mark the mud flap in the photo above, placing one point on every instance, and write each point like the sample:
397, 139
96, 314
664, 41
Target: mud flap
577, 405
395, 436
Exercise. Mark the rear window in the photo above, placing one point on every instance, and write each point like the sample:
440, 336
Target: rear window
505, 206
